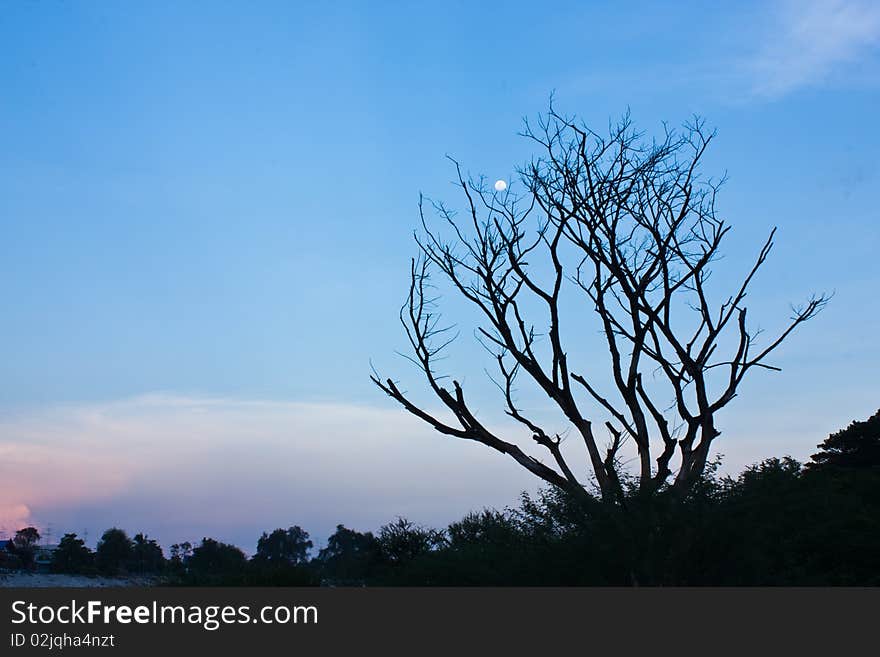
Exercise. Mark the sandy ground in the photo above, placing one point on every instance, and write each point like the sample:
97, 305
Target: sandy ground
43, 580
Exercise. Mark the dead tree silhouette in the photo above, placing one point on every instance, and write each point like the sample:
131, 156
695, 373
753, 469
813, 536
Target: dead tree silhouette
630, 226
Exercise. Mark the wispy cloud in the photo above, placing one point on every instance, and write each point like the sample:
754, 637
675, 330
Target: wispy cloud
181, 468
808, 42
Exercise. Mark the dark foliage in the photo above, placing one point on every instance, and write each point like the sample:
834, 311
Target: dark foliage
777, 523
219, 564
24, 546
114, 552
8, 559
214, 562
284, 546
180, 552
349, 558
857, 446
282, 559
72, 556
146, 556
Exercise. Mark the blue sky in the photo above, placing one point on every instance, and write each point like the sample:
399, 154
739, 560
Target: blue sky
207, 212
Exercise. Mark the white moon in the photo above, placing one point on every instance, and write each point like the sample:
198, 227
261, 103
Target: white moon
500, 185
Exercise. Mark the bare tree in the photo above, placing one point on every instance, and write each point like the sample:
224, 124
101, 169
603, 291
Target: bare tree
630, 227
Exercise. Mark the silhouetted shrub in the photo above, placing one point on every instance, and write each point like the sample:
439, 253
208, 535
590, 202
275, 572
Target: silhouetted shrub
72, 556
114, 551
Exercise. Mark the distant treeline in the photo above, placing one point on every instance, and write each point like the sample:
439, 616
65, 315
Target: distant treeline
777, 523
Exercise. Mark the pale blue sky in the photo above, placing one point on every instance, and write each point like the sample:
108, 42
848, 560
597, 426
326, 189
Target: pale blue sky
211, 204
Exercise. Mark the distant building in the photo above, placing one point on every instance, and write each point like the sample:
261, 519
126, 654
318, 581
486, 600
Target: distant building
43, 557
9, 560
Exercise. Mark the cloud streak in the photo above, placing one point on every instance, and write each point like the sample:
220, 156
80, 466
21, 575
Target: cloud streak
181, 468
811, 42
